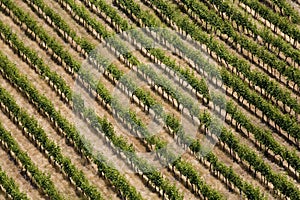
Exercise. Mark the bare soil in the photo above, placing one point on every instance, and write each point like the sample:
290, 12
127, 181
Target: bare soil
14, 172
66, 150
44, 89
62, 185
244, 174
2, 195
94, 16
80, 30
255, 66
209, 178
261, 20
98, 142
47, 28
179, 184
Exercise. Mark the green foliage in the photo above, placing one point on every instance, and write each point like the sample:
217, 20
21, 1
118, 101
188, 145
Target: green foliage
43, 181
280, 22
6, 182
32, 126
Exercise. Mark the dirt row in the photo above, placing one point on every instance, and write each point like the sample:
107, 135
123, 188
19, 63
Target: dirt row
255, 66
270, 26
257, 121
254, 121
49, 30
43, 88
62, 185
214, 182
104, 82
217, 151
14, 172
276, 166
65, 110
111, 87
2, 195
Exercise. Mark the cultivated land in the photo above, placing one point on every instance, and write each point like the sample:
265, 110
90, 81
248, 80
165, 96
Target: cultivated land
80, 85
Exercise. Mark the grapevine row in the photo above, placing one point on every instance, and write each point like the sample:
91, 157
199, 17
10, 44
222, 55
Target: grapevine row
264, 138
20, 47
35, 61
291, 159
271, 88
283, 24
129, 84
166, 185
7, 184
165, 85
248, 150
285, 8
186, 25
234, 15
38, 32
171, 123
10, 72
174, 125
284, 183
38, 178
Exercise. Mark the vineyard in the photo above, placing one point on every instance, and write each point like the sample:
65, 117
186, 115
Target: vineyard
150, 99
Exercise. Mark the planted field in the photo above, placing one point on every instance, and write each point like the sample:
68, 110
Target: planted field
149, 99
